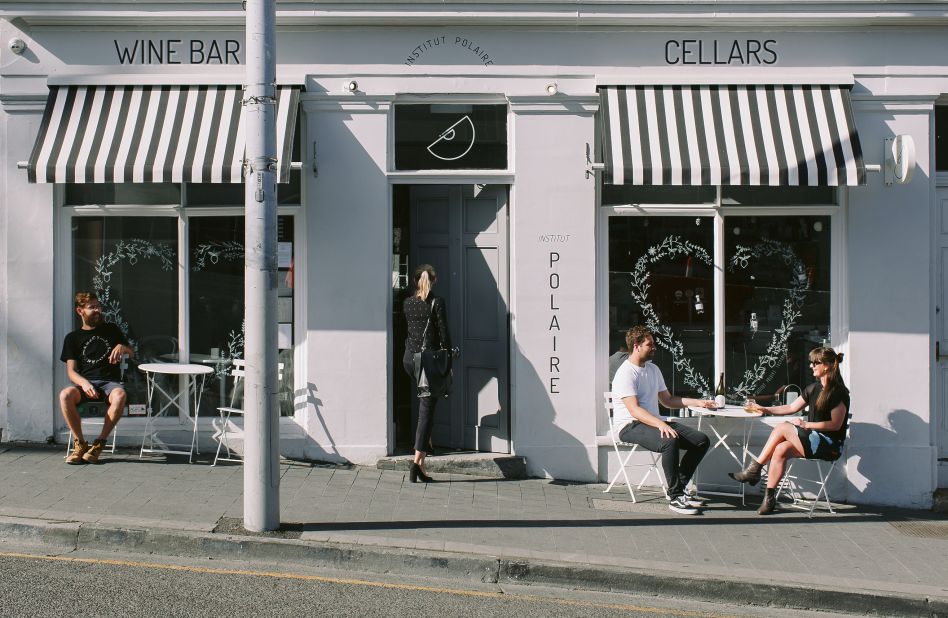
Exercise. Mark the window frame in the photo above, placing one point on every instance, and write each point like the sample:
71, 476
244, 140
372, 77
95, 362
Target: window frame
839, 334
63, 292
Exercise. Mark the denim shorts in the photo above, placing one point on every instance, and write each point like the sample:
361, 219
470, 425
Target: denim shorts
818, 445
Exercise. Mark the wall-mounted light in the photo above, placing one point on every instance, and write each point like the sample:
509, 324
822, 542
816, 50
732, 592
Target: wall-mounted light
17, 46
352, 85
552, 88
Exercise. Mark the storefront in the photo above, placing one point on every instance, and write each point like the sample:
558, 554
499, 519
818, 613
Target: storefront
568, 176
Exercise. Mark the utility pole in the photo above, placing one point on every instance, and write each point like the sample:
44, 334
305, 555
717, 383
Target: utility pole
261, 406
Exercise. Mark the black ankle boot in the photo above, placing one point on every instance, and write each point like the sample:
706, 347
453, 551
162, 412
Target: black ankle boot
415, 473
769, 505
749, 475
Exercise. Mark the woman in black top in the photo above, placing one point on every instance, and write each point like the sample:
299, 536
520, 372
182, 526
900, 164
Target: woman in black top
427, 329
819, 436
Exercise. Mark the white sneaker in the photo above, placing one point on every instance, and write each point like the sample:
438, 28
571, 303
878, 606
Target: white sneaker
680, 505
693, 499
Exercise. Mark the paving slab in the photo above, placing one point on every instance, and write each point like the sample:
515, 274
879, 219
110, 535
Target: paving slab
528, 530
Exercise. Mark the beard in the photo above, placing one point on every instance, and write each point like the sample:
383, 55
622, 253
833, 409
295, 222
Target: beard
95, 319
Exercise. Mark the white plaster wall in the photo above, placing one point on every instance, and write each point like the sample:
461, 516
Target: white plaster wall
348, 282
27, 398
891, 457
552, 196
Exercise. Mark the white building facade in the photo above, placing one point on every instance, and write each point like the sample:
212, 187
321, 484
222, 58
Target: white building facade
570, 168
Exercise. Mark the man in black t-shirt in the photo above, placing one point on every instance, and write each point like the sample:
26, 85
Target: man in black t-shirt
92, 355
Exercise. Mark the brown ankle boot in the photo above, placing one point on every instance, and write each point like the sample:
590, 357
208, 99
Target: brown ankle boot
749, 475
769, 505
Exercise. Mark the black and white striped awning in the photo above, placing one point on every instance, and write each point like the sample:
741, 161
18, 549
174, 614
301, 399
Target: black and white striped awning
730, 135
151, 134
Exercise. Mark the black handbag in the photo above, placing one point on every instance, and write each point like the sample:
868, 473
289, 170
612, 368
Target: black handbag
432, 368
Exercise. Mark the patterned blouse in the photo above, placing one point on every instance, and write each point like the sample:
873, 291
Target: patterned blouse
416, 315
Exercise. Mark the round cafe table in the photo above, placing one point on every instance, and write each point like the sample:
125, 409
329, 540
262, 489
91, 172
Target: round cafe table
722, 432
192, 373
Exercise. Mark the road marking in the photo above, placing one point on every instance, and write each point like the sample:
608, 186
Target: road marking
363, 582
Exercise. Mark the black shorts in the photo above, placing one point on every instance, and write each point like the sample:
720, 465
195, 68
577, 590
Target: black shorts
818, 445
103, 387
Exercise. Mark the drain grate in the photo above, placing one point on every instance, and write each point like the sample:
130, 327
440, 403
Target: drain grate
923, 529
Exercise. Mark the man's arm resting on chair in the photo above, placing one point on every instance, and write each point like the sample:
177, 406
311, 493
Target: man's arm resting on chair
644, 416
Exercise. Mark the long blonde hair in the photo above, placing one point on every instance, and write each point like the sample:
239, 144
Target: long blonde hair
425, 277
834, 381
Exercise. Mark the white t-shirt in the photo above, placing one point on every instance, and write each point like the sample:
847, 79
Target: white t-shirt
644, 382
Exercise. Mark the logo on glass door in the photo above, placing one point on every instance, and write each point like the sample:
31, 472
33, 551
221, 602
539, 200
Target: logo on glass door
454, 140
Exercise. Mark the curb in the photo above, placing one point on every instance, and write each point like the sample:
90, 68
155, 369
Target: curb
471, 568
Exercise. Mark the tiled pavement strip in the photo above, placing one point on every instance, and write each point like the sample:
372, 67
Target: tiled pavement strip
861, 547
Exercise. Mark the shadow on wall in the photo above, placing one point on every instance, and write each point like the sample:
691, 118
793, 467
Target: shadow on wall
312, 450
879, 478
543, 431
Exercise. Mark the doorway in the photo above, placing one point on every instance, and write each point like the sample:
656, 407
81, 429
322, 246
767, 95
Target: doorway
461, 230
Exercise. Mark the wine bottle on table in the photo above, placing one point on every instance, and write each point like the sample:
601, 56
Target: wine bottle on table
719, 392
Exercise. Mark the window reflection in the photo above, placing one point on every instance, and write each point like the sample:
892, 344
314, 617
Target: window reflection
660, 275
131, 265
777, 302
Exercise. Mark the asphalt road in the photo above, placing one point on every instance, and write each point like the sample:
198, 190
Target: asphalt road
98, 584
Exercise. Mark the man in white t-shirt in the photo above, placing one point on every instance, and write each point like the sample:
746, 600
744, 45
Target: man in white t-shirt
639, 385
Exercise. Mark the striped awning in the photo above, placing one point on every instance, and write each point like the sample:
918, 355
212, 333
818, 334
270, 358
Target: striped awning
730, 135
151, 134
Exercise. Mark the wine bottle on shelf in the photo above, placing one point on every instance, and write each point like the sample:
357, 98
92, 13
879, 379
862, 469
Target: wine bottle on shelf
719, 392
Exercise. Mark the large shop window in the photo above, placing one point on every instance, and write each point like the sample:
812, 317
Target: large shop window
134, 265
757, 169
776, 296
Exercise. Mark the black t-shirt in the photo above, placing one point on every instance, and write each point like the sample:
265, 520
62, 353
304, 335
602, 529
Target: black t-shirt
824, 414
90, 349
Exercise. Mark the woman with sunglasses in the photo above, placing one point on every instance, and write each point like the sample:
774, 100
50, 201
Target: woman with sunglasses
818, 436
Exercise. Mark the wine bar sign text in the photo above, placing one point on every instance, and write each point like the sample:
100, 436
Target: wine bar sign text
177, 51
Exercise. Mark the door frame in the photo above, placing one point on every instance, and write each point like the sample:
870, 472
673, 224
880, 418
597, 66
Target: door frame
464, 177
939, 314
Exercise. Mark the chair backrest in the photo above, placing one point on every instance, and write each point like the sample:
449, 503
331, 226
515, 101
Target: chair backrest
238, 371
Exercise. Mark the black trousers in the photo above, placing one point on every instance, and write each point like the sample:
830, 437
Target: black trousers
677, 474
426, 409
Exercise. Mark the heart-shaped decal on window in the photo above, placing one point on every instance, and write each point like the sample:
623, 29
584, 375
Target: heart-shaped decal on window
766, 366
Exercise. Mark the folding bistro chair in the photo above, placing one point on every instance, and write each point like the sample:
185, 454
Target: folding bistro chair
617, 444
791, 484
238, 372
95, 421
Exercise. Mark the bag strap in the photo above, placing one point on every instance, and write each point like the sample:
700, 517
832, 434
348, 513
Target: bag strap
427, 324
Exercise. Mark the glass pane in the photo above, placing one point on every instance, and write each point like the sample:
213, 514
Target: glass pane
660, 275
941, 138
104, 194
131, 264
232, 194
217, 305
618, 195
444, 137
777, 303
778, 196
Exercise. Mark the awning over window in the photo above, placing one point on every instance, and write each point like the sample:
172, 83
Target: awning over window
730, 135
151, 134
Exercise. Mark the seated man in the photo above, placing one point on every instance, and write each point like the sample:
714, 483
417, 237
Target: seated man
92, 355
640, 386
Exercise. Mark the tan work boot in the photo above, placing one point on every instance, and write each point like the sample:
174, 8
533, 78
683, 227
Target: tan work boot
92, 455
79, 448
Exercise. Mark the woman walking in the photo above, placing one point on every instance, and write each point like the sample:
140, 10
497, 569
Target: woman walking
427, 321
819, 436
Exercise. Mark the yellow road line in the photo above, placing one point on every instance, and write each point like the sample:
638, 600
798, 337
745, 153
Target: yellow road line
360, 582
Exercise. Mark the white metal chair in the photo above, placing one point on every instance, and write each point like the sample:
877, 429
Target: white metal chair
617, 445
95, 421
790, 484
238, 372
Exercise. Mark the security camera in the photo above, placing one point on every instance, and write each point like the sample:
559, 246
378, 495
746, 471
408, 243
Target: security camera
17, 46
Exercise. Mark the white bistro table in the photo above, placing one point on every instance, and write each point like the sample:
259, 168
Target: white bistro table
191, 373
728, 412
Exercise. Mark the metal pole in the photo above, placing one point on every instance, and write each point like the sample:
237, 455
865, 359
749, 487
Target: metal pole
261, 408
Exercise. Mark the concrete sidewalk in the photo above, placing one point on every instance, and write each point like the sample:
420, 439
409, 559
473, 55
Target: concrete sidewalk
861, 559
